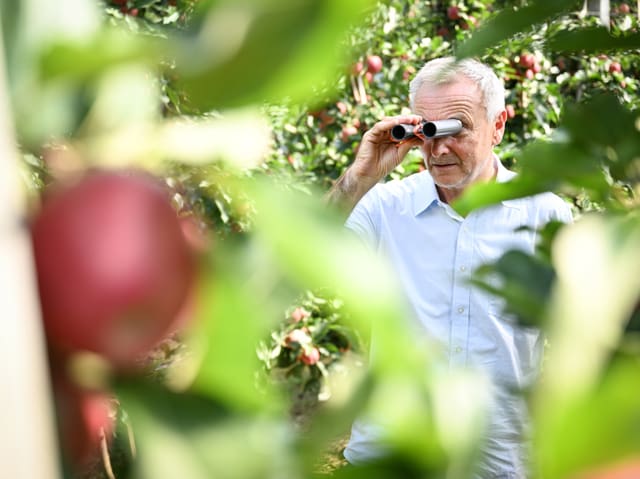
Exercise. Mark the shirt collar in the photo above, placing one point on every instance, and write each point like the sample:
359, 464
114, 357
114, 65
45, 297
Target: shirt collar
426, 194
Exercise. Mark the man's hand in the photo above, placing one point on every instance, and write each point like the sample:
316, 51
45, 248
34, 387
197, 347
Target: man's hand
378, 154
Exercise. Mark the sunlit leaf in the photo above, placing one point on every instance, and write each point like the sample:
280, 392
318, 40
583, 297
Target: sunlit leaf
237, 308
596, 262
86, 59
269, 50
595, 430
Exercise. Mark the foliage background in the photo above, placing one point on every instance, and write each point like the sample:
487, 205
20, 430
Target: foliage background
273, 243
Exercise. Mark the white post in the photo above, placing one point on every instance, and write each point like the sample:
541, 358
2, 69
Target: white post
28, 447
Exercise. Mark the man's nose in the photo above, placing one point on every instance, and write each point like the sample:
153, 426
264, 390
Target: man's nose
438, 146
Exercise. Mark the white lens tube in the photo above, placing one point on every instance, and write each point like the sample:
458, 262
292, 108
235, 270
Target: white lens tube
440, 128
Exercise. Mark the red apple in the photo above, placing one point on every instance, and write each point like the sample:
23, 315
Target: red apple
347, 132
615, 67
374, 64
470, 21
624, 8
310, 356
527, 60
442, 32
299, 314
453, 13
356, 68
133, 12
113, 265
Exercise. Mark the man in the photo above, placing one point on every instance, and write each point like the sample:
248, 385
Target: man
434, 249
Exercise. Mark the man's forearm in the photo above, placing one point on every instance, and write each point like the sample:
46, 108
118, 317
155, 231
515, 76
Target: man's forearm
347, 191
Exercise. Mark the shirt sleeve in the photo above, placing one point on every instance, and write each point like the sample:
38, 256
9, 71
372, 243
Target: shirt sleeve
558, 210
364, 219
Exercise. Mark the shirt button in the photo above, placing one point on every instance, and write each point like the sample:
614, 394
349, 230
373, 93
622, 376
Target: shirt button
463, 268
460, 310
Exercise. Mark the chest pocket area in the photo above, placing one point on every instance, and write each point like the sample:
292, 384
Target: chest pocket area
500, 229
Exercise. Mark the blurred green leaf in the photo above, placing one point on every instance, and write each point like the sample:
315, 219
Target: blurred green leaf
191, 436
596, 261
507, 23
249, 51
595, 430
524, 282
237, 308
85, 60
592, 40
596, 138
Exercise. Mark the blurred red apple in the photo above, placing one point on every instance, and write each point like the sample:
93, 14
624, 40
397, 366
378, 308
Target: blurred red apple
299, 314
624, 8
615, 67
527, 60
113, 266
374, 64
347, 132
453, 13
310, 356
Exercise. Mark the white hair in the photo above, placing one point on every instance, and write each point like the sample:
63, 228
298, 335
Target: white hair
446, 69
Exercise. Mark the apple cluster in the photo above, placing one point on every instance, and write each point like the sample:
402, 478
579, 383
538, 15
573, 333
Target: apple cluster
115, 273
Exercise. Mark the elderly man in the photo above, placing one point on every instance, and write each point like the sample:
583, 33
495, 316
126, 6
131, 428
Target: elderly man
434, 249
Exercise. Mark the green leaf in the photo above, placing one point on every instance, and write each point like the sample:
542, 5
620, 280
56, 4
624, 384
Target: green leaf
254, 51
598, 429
235, 314
507, 23
191, 436
524, 282
592, 40
87, 59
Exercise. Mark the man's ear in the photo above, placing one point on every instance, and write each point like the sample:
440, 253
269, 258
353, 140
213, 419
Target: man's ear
498, 127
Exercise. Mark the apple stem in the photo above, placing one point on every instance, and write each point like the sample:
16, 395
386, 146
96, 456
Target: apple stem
354, 88
363, 91
106, 459
132, 441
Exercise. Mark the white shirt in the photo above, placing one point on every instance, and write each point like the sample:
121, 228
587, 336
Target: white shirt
434, 251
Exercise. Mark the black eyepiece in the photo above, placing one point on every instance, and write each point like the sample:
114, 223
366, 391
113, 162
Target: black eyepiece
429, 129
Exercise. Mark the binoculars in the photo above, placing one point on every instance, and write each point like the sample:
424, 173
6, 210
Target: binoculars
428, 129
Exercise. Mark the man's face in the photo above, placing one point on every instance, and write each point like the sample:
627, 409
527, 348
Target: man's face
455, 162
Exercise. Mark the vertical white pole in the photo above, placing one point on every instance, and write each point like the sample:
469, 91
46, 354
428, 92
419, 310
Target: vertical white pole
28, 447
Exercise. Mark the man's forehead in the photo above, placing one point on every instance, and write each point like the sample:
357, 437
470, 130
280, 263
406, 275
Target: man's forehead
452, 97
460, 86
